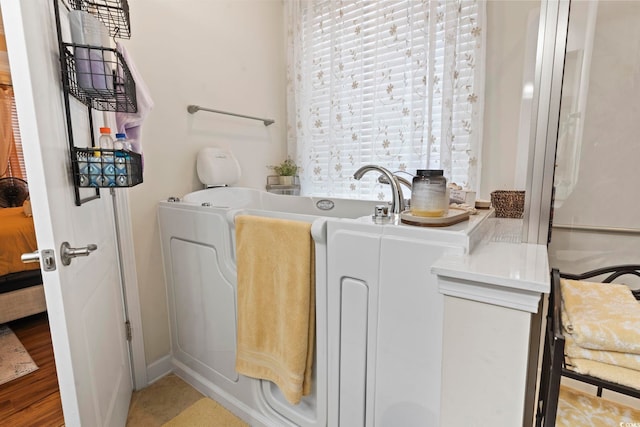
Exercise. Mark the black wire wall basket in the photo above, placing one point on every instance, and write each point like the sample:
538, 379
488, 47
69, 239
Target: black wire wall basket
114, 14
100, 167
99, 77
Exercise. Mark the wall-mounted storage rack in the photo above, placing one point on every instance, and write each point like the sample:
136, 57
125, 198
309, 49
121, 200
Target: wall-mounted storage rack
106, 168
114, 14
99, 78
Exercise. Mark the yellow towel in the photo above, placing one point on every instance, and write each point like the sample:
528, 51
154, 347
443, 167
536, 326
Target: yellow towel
579, 409
601, 316
625, 360
276, 302
616, 374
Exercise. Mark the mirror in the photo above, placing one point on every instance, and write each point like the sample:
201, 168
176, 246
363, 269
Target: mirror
595, 221
575, 90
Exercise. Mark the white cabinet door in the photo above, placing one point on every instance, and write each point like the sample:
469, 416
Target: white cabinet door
84, 299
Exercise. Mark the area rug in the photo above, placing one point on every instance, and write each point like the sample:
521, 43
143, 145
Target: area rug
14, 359
205, 413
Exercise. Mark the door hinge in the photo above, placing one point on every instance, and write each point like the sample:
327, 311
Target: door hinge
127, 328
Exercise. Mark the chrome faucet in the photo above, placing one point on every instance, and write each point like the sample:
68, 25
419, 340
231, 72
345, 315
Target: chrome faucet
397, 198
383, 180
404, 181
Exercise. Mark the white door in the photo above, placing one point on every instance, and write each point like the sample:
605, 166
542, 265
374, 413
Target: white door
84, 299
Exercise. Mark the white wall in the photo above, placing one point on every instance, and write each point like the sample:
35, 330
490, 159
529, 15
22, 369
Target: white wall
230, 55
505, 58
220, 54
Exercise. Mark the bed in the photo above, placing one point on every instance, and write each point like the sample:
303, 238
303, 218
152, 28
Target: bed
558, 360
21, 290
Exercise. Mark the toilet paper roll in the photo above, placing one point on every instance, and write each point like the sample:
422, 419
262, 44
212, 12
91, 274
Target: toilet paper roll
122, 180
95, 180
104, 181
109, 170
121, 166
90, 169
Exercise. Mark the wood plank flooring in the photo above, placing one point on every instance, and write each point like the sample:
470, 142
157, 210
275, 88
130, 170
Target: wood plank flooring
33, 399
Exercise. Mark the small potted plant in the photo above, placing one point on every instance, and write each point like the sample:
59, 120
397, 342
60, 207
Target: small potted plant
286, 171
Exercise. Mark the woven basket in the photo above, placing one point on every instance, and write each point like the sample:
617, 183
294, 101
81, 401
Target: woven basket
508, 204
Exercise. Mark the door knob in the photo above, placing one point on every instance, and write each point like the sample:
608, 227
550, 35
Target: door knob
30, 257
67, 253
46, 256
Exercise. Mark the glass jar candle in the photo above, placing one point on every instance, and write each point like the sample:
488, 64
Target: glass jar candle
429, 193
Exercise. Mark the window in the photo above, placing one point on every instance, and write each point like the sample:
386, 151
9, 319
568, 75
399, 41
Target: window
11, 158
11, 142
393, 83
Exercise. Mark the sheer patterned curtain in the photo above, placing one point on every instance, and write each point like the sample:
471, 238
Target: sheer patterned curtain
397, 83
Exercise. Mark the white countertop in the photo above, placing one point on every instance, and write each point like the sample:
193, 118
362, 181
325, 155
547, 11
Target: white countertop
513, 275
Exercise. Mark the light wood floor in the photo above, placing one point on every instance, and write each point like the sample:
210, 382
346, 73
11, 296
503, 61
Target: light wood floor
34, 399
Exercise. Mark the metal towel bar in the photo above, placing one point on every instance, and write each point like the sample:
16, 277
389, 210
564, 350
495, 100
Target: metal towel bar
597, 229
195, 108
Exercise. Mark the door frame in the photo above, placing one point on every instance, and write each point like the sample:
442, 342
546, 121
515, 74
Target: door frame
130, 290
552, 41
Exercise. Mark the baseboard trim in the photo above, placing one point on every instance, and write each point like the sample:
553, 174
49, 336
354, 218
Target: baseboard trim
159, 369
